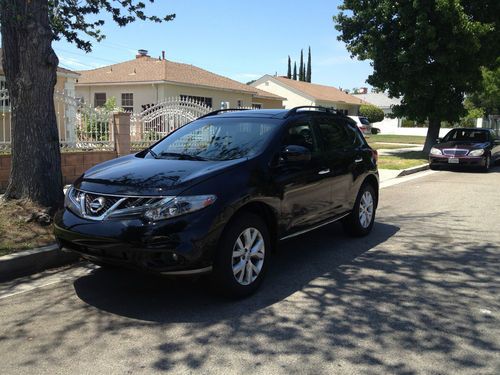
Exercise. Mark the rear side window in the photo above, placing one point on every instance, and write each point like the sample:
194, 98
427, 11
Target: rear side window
300, 133
334, 133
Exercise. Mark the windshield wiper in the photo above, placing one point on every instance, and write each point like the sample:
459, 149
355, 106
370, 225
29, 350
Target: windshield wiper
154, 154
181, 156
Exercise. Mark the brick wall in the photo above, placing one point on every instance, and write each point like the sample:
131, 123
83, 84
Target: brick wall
73, 164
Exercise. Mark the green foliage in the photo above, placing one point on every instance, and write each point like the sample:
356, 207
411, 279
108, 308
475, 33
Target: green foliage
289, 71
301, 66
487, 96
308, 72
429, 53
373, 113
72, 19
295, 71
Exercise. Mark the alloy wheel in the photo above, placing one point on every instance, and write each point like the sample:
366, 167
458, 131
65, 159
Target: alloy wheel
248, 256
366, 209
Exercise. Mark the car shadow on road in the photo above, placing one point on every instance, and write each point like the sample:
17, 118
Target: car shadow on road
295, 264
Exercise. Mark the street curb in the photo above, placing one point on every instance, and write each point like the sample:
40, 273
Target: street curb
418, 168
32, 261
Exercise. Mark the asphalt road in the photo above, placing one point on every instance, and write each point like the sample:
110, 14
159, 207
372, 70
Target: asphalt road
420, 295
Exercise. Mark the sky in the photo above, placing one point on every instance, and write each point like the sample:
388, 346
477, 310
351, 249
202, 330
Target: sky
236, 39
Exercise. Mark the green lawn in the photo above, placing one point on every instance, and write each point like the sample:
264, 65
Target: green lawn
391, 138
402, 160
386, 146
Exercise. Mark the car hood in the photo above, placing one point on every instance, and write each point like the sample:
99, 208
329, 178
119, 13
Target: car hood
132, 175
463, 145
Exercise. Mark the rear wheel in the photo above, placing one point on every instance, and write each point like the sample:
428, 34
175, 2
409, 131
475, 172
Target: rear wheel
360, 221
242, 257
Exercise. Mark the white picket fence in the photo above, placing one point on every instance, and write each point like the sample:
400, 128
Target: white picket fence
80, 126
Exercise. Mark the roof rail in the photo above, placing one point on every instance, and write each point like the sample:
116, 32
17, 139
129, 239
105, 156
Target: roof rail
317, 108
214, 113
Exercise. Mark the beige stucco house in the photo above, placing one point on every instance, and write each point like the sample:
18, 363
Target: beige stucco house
145, 81
65, 84
297, 93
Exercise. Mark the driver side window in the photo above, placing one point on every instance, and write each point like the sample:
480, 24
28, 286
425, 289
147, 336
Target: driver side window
301, 133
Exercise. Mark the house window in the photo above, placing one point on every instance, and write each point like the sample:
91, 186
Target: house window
3, 86
128, 102
99, 99
240, 103
256, 106
198, 99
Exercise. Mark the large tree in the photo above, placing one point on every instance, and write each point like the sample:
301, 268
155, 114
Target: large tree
289, 71
487, 97
428, 52
308, 72
28, 29
301, 66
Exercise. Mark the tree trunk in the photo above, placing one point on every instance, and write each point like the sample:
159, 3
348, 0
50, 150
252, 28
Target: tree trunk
432, 133
30, 66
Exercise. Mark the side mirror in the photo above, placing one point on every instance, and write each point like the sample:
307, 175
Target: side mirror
295, 154
438, 140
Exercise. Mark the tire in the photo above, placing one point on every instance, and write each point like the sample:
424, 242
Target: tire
487, 164
359, 225
433, 167
229, 278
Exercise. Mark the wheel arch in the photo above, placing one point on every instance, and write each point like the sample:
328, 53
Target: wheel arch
373, 181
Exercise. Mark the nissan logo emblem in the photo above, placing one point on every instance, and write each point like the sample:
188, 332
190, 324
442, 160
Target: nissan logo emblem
97, 205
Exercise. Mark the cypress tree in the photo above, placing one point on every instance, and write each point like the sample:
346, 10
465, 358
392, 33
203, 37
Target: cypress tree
301, 66
295, 70
308, 74
289, 72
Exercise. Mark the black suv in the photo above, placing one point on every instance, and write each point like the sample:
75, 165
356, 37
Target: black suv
218, 194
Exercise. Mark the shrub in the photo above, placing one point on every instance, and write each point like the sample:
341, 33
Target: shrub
373, 113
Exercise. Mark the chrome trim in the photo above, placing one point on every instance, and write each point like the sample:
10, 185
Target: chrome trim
324, 171
453, 151
187, 272
121, 195
315, 227
111, 210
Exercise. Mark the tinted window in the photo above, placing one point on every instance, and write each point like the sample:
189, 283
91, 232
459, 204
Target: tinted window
334, 133
219, 138
467, 135
301, 133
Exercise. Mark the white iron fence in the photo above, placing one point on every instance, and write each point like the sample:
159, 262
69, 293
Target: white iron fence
80, 126
161, 119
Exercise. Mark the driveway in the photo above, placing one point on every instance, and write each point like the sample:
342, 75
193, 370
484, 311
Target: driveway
420, 295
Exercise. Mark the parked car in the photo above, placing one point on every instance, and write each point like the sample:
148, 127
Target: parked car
218, 194
363, 124
467, 147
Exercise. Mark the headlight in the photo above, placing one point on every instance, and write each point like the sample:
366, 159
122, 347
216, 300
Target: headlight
436, 151
172, 207
476, 152
72, 200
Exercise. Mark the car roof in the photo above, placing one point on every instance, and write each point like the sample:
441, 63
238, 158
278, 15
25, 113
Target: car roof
272, 113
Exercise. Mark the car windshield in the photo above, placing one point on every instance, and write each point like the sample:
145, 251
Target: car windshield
217, 139
466, 135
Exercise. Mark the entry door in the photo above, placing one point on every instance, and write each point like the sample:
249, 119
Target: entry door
305, 187
340, 157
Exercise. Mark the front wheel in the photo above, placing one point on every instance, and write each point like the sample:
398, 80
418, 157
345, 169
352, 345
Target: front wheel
242, 257
360, 221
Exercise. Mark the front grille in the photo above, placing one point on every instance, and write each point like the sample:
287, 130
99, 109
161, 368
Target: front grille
107, 203
455, 152
100, 206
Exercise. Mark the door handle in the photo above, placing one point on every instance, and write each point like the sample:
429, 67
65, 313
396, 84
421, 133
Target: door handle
324, 171
359, 160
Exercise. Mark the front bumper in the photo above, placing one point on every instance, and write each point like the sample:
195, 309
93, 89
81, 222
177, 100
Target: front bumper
184, 245
463, 161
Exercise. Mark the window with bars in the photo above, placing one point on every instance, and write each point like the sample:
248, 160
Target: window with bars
99, 99
128, 102
256, 106
198, 99
3, 86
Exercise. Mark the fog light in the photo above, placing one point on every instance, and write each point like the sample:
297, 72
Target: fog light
175, 257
